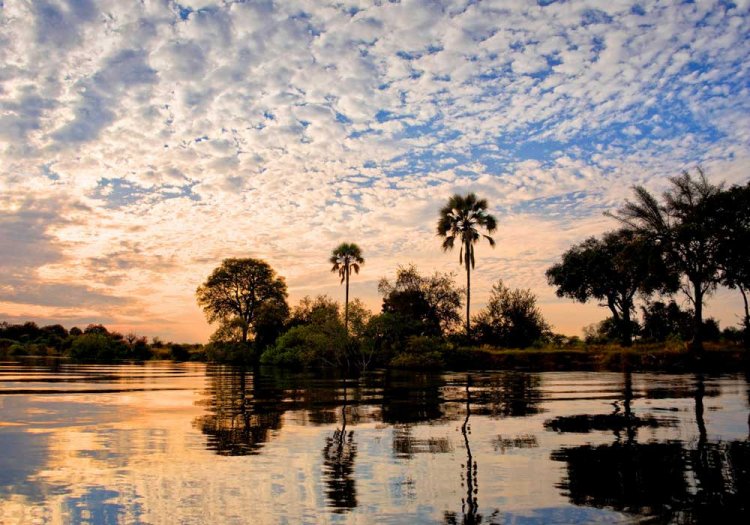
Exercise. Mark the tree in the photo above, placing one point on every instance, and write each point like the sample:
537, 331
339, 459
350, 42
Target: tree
511, 318
732, 221
683, 229
462, 218
428, 305
345, 258
611, 269
238, 291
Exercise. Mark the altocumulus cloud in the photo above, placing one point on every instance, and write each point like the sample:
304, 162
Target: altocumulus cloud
141, 143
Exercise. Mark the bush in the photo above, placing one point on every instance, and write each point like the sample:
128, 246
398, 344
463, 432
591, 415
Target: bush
421, 352
230, 352
95, 346
179, 352
301, 346
511, 319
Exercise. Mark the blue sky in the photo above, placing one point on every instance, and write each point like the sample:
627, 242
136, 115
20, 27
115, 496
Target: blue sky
143, 142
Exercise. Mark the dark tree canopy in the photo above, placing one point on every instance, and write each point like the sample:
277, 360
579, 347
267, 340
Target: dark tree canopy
682, 226
239, 291
432, 303
732, 222
511, 319
462, 220
611, 269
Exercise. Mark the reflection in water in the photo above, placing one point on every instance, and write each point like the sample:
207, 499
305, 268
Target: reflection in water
192, 443
707, 483
241, 412
619, 421
339, 454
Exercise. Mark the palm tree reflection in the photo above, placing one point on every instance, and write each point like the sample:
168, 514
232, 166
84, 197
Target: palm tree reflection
339, 453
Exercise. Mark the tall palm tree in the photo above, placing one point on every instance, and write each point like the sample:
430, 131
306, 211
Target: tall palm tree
346, 257
461, 219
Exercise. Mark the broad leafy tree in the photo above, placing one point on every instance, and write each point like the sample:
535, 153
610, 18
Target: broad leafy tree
461, 220
346, 257
611, 269
732, 222
240, 294
430, 305
682, 226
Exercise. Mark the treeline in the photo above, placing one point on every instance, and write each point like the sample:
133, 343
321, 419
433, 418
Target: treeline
419, 324
94, 343
691, 241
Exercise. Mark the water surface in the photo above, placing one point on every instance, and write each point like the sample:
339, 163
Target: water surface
193, 443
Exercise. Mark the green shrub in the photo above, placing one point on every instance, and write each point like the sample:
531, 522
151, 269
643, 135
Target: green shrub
95, 346
230, 352
300, 346
421, 352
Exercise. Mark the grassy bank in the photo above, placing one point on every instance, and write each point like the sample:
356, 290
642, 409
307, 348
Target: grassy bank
652, 357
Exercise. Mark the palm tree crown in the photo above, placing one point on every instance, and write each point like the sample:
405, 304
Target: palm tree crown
346, 257
462, 218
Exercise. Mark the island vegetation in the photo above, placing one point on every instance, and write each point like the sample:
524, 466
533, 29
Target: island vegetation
685, 244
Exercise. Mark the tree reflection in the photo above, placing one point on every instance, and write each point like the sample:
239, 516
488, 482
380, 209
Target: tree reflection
705, 483
469, 504
508, 394
411, 397
339, 453
240, 412
621, 420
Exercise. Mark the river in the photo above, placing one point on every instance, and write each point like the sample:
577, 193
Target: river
191, 443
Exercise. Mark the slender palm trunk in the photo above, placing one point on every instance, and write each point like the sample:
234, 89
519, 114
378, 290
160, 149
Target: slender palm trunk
346, 301
468, 289
746, 320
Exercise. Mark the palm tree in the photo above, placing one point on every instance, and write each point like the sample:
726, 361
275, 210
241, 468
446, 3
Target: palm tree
345, 258
462, 218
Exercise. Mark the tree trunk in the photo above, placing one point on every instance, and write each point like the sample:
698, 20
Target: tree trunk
627, 327
696, 345
468, 289
346, 301
746, 321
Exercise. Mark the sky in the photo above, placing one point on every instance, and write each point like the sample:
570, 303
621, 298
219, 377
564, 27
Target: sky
142, 142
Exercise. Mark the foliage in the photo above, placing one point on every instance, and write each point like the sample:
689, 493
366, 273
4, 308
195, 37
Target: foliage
462, 219
236, 294
682, 226
421, 352
612, 269
424, 305
660, 321
731, 209
316, 336
230, 352
511, 319
96, 346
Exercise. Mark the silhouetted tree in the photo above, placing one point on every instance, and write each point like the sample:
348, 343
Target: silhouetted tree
345, 258
424, 305
462, 218
612, 269
661, 320
511, 318
683, 228
238, 290
732, 219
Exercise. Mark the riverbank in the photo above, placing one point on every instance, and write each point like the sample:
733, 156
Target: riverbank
656, 357
648, 357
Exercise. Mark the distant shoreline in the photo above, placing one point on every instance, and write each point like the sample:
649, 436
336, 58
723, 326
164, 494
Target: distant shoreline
658, 357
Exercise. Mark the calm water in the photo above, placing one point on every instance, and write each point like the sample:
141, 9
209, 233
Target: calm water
188, 443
